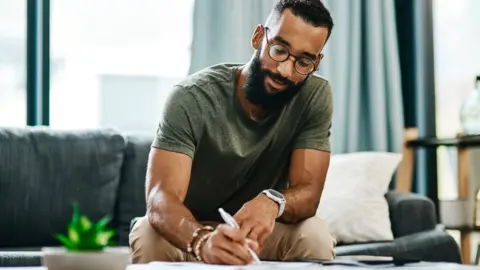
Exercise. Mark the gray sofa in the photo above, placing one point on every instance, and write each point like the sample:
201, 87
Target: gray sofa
42, 171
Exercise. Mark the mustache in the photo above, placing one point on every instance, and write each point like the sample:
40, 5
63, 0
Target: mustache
279, 78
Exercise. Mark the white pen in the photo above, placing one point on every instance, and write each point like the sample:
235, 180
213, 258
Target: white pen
231, 221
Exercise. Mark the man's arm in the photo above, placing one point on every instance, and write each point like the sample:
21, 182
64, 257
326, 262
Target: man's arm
307, 177
308, 170
310, 159
168, 176
169, 168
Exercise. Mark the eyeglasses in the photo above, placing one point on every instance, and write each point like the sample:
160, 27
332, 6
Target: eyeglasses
280, 53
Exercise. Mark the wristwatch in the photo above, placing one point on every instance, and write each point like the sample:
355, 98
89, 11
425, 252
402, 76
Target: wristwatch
276, 197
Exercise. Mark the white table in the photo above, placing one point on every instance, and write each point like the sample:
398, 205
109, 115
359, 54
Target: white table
273, 266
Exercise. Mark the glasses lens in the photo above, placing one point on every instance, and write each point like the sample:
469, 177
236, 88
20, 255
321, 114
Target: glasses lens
304, 65
278, 53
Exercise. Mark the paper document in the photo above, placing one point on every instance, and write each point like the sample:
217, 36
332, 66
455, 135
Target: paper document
202, 266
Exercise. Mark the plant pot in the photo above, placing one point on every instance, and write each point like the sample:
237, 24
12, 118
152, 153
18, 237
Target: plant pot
59, 258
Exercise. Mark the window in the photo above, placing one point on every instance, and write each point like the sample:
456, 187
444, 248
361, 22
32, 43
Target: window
113, 62
12, 63
457, 62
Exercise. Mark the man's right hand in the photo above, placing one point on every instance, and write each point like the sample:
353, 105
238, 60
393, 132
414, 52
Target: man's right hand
227, 245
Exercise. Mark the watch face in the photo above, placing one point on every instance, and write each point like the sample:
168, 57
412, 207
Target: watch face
276, 193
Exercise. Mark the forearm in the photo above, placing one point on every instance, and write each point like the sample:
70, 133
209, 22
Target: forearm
169, 217
301, 203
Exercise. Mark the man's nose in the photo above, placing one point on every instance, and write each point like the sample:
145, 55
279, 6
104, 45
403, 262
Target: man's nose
286, 68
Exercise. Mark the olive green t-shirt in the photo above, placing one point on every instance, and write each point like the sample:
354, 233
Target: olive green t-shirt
235, 157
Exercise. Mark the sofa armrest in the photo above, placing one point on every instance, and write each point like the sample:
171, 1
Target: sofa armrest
410, 213
430, 246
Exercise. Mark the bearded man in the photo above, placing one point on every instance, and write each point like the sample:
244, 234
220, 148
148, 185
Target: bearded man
253, 139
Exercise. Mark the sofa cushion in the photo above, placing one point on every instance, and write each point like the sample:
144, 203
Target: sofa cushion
42, 171
20, 258
353, 201
131, 195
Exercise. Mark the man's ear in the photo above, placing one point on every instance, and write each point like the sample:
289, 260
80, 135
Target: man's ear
257, 37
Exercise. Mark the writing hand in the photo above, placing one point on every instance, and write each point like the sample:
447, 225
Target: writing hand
257, 219
227, 245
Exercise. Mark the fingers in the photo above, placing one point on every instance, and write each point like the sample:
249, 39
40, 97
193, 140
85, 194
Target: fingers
259, 233
225, 257
263, 238
254, 234
232, 233
245, 229
228, 240
236, 249
253, 245
263, 235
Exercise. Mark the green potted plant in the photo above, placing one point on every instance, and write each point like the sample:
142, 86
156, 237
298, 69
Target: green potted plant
87, 245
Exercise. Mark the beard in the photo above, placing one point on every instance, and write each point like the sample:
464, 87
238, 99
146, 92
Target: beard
255, 90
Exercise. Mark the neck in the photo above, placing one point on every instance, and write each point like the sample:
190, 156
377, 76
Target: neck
255, 112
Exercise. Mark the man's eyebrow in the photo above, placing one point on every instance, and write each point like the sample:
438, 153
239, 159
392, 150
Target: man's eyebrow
282, 40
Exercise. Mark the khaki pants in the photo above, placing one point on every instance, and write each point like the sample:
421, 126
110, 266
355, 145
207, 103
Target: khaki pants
309, 239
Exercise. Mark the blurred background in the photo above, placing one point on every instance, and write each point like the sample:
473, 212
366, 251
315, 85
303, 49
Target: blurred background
393, 64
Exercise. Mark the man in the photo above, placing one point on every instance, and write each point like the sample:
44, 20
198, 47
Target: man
252, 139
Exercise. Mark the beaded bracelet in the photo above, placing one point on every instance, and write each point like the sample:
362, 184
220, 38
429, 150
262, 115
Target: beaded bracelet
196, 233
199, 245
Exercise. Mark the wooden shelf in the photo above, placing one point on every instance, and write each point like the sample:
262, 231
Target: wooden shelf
460, 141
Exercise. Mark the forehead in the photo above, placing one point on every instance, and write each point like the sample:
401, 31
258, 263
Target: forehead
301, 36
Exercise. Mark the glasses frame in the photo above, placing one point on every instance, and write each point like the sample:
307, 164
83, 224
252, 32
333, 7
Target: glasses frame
270, 45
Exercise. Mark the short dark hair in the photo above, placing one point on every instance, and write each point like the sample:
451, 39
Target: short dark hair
311, 11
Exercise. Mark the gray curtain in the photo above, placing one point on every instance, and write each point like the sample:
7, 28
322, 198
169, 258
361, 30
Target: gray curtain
362, 63
223, 30
416, 45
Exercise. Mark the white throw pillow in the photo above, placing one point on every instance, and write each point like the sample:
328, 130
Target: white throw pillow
353, 202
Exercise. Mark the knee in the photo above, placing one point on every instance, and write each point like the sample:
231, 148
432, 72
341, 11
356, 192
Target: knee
312, 240
147, 245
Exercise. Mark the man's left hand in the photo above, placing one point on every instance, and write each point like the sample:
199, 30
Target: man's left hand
257, 218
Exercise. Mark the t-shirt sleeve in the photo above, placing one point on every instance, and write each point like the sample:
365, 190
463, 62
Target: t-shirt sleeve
315, 130
179, 123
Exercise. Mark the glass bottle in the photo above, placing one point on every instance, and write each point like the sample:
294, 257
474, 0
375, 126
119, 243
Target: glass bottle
470, 111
